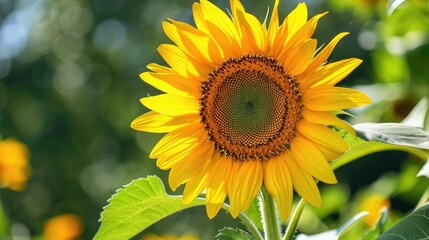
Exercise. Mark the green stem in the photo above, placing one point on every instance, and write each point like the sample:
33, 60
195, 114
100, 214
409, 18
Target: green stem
290, 231
270, 220
4, 223
251, 227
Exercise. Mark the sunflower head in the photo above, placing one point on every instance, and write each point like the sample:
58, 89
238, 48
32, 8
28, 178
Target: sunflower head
247, 105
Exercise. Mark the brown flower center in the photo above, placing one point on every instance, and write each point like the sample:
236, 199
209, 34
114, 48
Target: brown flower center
250, 107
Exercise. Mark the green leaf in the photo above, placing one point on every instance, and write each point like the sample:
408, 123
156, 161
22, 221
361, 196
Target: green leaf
233, 234
138, 205
393, 133
335, 233
413, 226
417, 116
361, 148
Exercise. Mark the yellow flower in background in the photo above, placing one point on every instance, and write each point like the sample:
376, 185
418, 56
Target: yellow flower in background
247, 105
169, 237
63, 227
374, 205
14, 168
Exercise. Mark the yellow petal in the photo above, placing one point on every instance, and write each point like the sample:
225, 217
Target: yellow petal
303, 182
309, 158
321, 135
305, 32
196, 184
216, 185
199, 19
182, 63
245, 186
321, 58
173, 83
179, 139
326, 98
176, 156
274, 22
198, 44
330, 153
154, 67
327, 119
296, 19
158, 123
221, 29
190, 164
300, 56
250, 29
278, 182
172, 105
330, 74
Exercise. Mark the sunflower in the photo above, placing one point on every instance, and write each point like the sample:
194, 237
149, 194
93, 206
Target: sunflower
14, 167
63, 227
247, 106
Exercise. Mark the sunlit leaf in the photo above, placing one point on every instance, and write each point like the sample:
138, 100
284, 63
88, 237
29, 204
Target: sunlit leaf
417, 116
233, 234
393, 4
393, 133
413, 226
135, 207
335, 233
362, 148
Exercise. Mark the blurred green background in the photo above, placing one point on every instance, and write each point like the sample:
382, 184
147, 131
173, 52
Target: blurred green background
69, 89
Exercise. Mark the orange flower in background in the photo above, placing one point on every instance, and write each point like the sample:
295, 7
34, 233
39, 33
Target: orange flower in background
169, 237
63, 227
374, 205
247, 104
14, 168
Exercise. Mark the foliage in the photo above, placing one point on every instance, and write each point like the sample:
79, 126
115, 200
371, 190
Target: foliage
69, 89
233, 234
413, 226
138, 205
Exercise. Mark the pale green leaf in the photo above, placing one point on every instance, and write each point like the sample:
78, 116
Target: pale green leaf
417, 116
361, 148
413, 226
233, 234
335, 233
135, 207
393, 133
